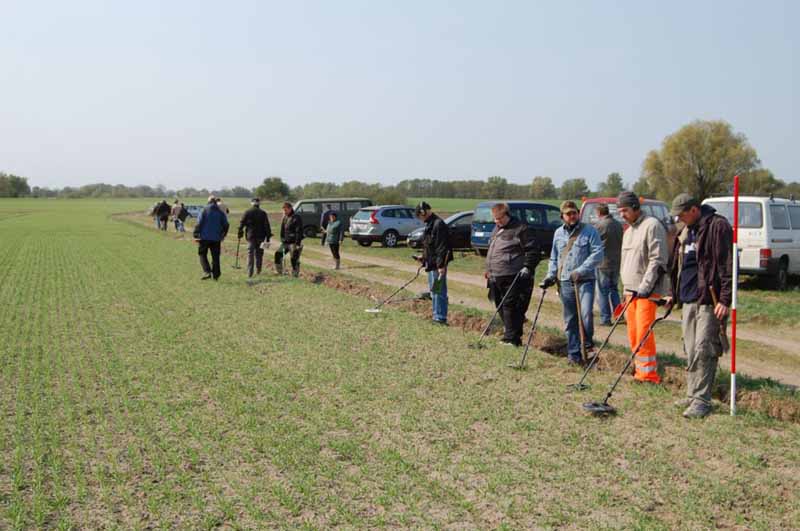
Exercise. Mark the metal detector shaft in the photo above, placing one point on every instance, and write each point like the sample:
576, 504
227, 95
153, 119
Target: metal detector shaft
596, 357
401, 288
238, 244
633, 355
497, 310
533, 328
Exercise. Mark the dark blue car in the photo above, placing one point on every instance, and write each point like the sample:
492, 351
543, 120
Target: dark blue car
542, 220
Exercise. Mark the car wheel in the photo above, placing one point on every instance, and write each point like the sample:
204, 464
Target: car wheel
781, 280
309, 231
364, 243
390, 238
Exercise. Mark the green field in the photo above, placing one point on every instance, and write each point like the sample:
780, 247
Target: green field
136, 396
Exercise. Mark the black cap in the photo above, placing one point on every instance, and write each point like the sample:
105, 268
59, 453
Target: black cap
421, 206
255, 201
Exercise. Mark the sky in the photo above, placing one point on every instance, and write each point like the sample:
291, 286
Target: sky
213, 94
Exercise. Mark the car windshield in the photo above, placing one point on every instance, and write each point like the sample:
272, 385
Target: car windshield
590, 212
750, 214
362, 215
456, 217
483, 215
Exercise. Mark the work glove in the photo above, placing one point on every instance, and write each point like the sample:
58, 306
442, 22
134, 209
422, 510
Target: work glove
547, 282
575, 277
633, 293
524, 272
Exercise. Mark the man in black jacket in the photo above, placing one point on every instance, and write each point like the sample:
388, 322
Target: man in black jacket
510, 263
162, 212
256, 222
436, 254
291, 240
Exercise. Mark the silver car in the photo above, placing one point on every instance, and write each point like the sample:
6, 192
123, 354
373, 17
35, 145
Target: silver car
388, 224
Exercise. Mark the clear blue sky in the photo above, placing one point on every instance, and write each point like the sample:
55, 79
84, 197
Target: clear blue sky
222, 93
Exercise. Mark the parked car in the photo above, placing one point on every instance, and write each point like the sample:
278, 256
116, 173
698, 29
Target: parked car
769, 235
388, 224
311, 210
652, 207
542, 220
194, 210
459, 228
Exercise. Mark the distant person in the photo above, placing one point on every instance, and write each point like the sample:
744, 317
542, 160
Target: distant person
154, 215
183, 215
162, 211
324, 219
702, 276
333, 236
610, 231
576, 251
643, 267
211, 228
436, 254
177, 210
511, 260
255, 225
291, 240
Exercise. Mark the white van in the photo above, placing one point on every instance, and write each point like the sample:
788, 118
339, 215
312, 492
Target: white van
769, 235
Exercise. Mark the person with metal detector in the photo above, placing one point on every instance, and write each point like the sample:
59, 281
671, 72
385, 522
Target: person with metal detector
324, 219
644, 263
291, 240
210, 230
332, 235
255, 226
436, 254
577, 250
702, 273
510, 263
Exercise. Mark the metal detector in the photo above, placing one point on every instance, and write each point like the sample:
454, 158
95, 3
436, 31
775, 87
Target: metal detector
521, 365
238, 244
377, 309
604, 408
478, 344
581, 386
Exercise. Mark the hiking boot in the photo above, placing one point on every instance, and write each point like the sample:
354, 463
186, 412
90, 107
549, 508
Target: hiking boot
575, 362
442, 323
206, 276
507, 343
295, 273
697, 410
683, 402
336, 265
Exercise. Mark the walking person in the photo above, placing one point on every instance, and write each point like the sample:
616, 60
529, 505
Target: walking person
291, 240
333, 235
511, 260
254, 225
436, 254
610, 231
576, 252
162, 212
643, 267
210, 230
324, 219
702, 274
177, 210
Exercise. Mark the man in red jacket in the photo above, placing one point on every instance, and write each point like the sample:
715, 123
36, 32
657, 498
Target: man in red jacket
703, 283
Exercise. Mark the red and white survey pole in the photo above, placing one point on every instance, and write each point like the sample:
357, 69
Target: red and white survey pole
735, 289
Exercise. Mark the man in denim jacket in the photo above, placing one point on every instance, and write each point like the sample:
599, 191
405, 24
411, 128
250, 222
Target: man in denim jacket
575, 268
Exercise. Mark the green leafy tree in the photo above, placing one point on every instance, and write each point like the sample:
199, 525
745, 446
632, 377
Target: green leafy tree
273, 188
13, 186
543, 188
612, 186
701, 158
574, 189
496, 187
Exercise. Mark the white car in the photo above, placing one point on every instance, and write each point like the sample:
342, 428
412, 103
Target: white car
769, 235
388, 224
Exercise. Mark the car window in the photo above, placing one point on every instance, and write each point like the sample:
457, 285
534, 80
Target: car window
553, 216
590, 214
780, 219
308, 207
467, 221
794, 216
750, 214
530, 215
404, 213
362, 215
353, 205
332, 206
483, 215
388, 213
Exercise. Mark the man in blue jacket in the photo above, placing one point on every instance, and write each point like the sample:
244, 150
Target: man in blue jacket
210, 230
577, 250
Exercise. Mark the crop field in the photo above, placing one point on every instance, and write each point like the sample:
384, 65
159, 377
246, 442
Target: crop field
134, 395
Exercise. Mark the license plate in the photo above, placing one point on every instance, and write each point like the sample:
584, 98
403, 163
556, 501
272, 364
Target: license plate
480, 234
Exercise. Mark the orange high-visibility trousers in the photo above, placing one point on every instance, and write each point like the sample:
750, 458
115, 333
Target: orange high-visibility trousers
640, 315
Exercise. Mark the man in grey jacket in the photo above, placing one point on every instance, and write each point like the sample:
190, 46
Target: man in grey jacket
610, 231
510, 263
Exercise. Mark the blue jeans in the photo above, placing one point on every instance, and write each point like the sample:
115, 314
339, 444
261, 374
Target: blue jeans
586, 290
607, 282
439, 299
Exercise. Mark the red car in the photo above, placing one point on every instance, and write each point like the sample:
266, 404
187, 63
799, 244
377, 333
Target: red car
652, 207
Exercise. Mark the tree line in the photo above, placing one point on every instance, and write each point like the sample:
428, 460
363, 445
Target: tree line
700, 158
